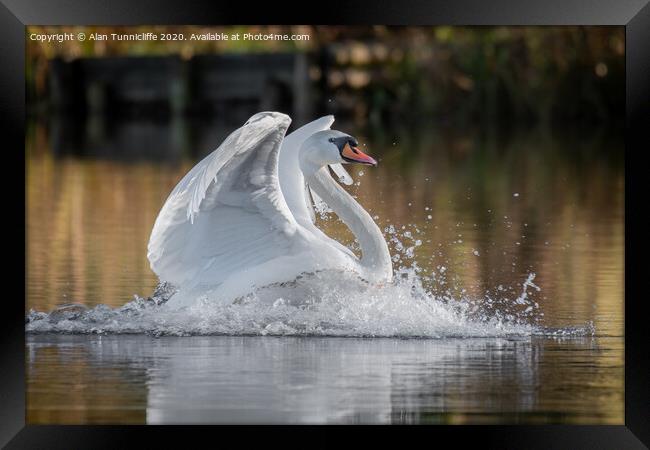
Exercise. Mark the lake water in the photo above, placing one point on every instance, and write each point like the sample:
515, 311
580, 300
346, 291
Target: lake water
478, 214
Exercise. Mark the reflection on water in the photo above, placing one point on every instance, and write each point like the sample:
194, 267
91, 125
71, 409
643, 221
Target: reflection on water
487, 209
133, 379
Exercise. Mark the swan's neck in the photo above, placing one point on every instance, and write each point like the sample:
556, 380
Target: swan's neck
375, 256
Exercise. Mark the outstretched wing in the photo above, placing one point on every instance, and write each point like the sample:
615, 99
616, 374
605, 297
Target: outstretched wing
228, 212
292, 182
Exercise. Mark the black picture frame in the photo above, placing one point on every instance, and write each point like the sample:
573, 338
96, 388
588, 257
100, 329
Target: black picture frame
15, 15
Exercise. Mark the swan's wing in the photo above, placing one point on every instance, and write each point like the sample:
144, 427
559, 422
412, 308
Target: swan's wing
292, 181
228, 212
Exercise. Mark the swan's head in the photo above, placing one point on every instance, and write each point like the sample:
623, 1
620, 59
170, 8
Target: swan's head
334, 147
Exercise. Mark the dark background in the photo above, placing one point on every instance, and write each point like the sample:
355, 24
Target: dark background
498, 78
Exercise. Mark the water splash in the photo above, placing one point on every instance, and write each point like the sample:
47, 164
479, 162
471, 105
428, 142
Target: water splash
323, 304
328, 303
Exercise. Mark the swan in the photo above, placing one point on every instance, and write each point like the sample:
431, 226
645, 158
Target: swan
243, 217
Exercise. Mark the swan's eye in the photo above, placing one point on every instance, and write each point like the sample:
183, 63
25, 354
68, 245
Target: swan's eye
331, 139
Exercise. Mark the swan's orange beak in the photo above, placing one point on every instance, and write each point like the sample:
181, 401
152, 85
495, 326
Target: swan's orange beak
354, 155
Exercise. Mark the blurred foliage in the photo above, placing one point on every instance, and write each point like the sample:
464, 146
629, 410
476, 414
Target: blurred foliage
505, 74
548, 75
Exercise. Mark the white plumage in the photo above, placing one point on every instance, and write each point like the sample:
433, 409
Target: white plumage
242, 217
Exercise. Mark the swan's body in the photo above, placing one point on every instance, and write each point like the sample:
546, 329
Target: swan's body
243, 218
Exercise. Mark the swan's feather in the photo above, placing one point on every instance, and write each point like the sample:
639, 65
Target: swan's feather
228, 212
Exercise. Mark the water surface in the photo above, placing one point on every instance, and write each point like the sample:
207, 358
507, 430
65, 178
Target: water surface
141, 379
477, 213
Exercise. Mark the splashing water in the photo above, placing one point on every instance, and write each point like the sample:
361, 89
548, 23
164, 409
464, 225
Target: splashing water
322, 304
328, 303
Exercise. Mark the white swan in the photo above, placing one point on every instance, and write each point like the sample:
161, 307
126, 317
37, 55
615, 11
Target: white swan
243, 218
